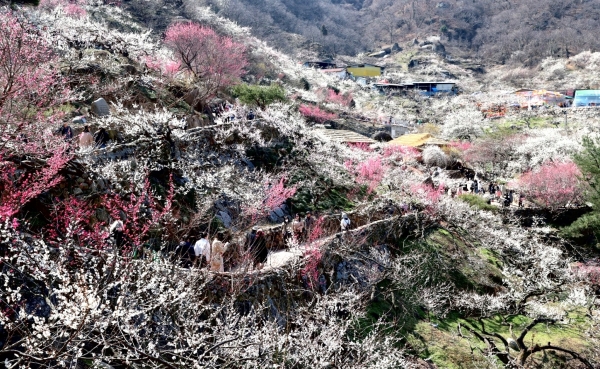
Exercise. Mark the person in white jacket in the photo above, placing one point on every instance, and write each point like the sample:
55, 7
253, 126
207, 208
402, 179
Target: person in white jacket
345, 222
202, 250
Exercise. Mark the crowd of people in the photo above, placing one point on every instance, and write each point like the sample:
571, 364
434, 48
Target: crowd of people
85, 139
494, 191
254, 246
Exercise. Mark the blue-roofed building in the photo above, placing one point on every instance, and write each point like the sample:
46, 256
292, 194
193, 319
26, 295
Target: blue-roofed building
586, 98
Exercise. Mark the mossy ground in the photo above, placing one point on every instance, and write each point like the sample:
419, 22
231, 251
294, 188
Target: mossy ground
472, 266
439, 341
477, 202
468, 265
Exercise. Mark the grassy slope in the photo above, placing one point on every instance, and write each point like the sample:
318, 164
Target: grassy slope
476, 267
446, 349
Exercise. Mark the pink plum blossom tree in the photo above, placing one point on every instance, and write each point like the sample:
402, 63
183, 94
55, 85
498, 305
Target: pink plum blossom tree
316, 114
553, 185
212, 61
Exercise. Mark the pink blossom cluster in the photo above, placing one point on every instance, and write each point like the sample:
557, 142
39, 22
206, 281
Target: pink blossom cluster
312, 252
163, 65
589, 272
277, 193
17, 188
427, 192
74, 216
369, 172
73, 8
553, 185
363, 146
316, 114
405, 152
139, 213
212, 60
460, 145
338, 98
30, 86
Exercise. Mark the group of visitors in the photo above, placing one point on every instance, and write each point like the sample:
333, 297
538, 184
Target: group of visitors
86, 139
300, 228
494, 191
210, 255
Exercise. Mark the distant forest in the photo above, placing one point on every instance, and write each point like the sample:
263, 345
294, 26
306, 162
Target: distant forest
499, 31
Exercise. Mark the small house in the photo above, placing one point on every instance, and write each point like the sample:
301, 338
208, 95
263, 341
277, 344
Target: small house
417, 140
399, 129
344, 136
430, 88
319, 65
388, 87
425, 88
586, 98
534, 98
365, 70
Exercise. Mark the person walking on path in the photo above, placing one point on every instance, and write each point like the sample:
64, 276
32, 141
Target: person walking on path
202, 250
116, 231
185, 252
66, 131
345, 222
309, 222
286, 229
251, 238
260, 251
521, 198
101, 138
86, 139
217, 251
297, 227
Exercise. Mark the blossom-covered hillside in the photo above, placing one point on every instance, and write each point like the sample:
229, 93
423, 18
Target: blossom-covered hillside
197, 199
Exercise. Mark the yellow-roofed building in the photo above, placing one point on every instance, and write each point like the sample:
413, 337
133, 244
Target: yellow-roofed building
417, 140
365, 70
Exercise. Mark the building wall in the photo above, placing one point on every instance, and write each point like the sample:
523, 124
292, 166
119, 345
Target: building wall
364, 71
586, 98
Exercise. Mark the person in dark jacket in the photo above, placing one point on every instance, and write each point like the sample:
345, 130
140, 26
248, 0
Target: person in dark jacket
66, 131
309, 222
185, 252
101, 138
286, 228
260, 250
251, 238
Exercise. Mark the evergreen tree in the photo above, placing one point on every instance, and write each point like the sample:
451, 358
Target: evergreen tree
588, 225
259, 96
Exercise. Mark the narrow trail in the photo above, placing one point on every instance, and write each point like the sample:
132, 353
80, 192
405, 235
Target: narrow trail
285, 257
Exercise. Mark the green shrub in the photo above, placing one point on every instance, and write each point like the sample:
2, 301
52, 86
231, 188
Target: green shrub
477, 202
259, 96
